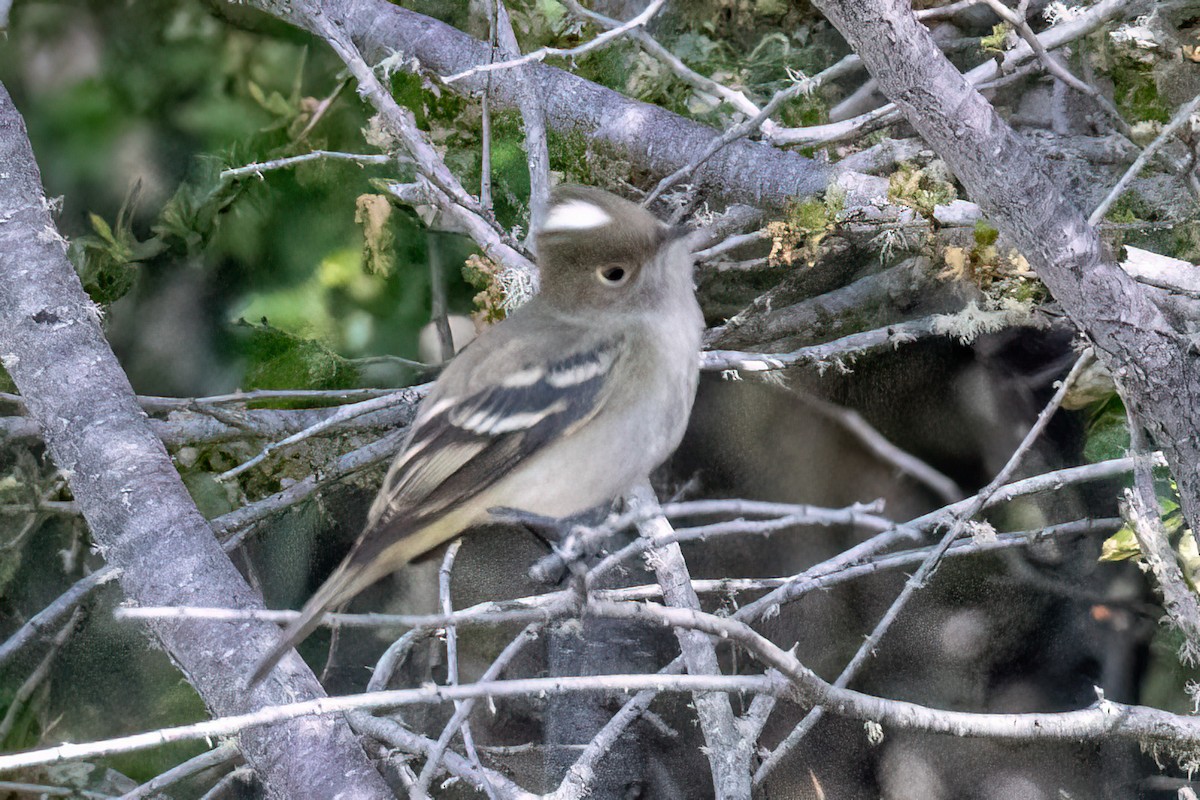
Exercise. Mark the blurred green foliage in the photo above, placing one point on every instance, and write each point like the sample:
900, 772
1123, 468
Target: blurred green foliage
1107, 431
132, 125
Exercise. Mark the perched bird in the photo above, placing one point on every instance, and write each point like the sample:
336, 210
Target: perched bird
572, 400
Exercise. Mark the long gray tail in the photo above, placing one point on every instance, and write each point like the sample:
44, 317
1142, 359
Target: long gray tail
335, 590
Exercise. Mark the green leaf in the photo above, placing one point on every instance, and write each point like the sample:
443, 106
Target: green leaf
1121, 546
1107, 432
212, 498
995, 42
279, 360
101, 228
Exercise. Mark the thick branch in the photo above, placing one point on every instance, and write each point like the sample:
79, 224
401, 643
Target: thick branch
650, 138
1155, 362
139, 511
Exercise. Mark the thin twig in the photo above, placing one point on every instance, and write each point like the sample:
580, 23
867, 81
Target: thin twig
735, 98
947, 10
222, 754
225, 786
882, 448
542, 53
822, 355
342, 415
426, 695
234, 527
485, 144
1181, 117
319, 112
433, 763
553, 605
443, 188
257, 169
438, 310
728, 752
38, 676
463, 708
155, 404
572, 786
918, 580
856, 516
396, 735
1021, 25
1052, 38
533, 119
733, 134
64, 604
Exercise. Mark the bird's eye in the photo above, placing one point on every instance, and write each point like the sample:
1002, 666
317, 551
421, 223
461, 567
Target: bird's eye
614, 276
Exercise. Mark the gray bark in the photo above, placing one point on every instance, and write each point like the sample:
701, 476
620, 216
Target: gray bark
1154, 357
652, 139
135, 504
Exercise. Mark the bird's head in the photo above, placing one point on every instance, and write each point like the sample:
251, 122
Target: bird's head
597, 250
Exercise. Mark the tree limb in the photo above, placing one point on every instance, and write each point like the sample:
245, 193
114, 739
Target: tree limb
136, 506
651, 138
1157, 363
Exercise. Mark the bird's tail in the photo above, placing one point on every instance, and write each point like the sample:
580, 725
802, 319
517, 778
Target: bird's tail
382, 549
341, 586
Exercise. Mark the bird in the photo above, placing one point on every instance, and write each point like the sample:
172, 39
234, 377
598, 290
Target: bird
574, 398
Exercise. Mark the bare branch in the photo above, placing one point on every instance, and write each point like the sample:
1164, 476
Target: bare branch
257, 169
441, 186
537, 153
326, 706
918, 580
653, 139
1152, 355
463, 708
837, 352
139, 512
728, 752
222, 754
37, 677
396, 735
407, 397
1103, 719
883, 449
1052, 65
45, 619
989, 71
735, 98
1181, 117
433, 763
603, 40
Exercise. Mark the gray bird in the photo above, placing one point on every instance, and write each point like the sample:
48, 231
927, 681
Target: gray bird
569, 402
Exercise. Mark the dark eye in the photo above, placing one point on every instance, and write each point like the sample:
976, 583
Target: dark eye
612, 275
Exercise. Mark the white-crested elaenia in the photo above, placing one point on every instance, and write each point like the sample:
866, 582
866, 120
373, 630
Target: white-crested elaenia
566, 404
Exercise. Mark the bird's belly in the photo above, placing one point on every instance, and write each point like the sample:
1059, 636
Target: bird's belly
592, 466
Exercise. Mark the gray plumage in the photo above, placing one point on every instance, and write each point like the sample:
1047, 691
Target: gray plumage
572, 400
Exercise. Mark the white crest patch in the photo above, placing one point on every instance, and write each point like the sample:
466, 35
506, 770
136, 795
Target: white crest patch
575, 215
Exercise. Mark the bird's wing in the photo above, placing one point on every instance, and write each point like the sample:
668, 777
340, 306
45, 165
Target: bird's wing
463, 444
460, 445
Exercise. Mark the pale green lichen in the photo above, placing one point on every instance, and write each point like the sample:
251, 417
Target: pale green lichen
975, 320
